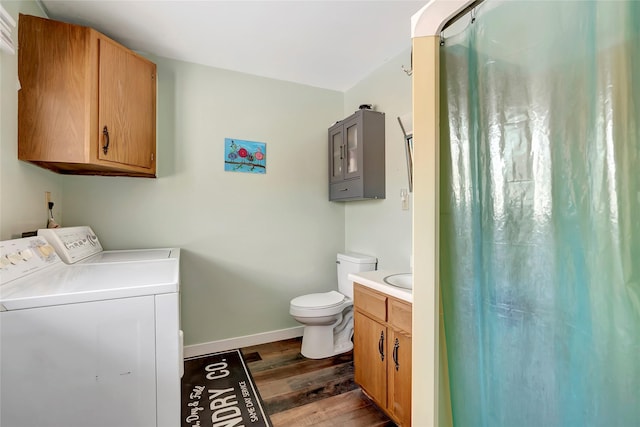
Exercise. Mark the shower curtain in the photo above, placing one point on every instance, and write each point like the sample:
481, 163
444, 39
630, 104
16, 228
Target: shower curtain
540, 214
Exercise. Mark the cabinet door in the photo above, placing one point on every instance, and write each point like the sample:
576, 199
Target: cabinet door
336, 157
353, 147
52, 107
127, 99
399, 403
370, 357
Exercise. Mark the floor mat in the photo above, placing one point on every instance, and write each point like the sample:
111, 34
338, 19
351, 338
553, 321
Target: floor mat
217, 390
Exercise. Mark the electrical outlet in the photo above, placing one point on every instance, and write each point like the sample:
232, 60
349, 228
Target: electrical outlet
51, 223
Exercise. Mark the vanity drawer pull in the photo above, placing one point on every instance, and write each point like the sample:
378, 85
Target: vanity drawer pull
396, 346
381, 346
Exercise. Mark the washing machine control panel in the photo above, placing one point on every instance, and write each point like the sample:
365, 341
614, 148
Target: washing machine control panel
21, 257
72, 244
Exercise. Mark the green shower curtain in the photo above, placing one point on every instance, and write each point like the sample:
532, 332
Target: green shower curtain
540, 214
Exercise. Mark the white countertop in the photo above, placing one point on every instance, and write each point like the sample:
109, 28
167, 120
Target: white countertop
375, 280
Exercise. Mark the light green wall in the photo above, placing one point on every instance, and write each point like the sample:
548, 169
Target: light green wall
381, 227
22, 185
249, 242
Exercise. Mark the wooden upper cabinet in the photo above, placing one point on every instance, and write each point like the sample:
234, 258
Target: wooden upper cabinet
87, 105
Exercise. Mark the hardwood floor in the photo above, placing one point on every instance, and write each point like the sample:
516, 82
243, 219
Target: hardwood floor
301, 392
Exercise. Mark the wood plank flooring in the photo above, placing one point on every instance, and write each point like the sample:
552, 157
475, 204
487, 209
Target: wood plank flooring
301, 392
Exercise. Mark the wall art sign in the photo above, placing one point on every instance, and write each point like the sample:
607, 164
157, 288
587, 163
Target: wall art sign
245, 156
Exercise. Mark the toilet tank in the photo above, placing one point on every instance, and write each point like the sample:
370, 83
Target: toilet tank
352, 262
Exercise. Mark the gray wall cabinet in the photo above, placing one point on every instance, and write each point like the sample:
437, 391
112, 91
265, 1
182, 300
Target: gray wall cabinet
356, 157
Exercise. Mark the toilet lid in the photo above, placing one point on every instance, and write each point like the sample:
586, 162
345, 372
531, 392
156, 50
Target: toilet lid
323, 300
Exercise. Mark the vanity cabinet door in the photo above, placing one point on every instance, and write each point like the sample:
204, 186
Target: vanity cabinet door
370, 357
399, 369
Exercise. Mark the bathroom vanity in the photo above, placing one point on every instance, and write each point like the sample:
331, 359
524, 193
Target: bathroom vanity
382, 343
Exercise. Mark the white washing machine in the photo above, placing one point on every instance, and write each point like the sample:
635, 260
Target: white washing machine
94, 343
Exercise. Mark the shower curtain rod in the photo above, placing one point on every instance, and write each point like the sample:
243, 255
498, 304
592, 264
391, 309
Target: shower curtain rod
462, 13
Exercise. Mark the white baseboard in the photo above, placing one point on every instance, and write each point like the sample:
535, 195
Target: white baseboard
239, 342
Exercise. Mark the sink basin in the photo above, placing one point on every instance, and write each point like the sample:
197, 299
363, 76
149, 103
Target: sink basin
400, 280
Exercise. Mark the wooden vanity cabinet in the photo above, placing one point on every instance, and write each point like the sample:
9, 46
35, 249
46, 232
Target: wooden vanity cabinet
87, 105
370, 342
382, 351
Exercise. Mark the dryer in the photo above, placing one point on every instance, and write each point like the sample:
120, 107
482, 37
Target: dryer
88, 343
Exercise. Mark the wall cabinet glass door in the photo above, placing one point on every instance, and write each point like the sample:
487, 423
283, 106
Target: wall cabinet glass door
336, 159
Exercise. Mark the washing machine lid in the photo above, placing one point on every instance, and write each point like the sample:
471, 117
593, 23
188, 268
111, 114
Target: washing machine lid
71, 284
133, 255
319, 301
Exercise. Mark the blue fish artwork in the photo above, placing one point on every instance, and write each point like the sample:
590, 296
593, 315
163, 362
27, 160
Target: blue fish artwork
245, 156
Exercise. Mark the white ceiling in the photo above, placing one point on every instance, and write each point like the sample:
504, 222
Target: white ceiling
327, 44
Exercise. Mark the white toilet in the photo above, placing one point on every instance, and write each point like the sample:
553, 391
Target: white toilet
328, 316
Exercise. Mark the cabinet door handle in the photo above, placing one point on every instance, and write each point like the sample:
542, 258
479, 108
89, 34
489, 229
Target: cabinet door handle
105, 133
396, 346
381, 346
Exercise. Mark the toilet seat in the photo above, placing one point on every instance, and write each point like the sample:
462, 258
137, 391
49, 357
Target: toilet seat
320, 304
321, 300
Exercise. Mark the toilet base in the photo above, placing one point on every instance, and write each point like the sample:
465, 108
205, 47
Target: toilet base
317, 343
320, 341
